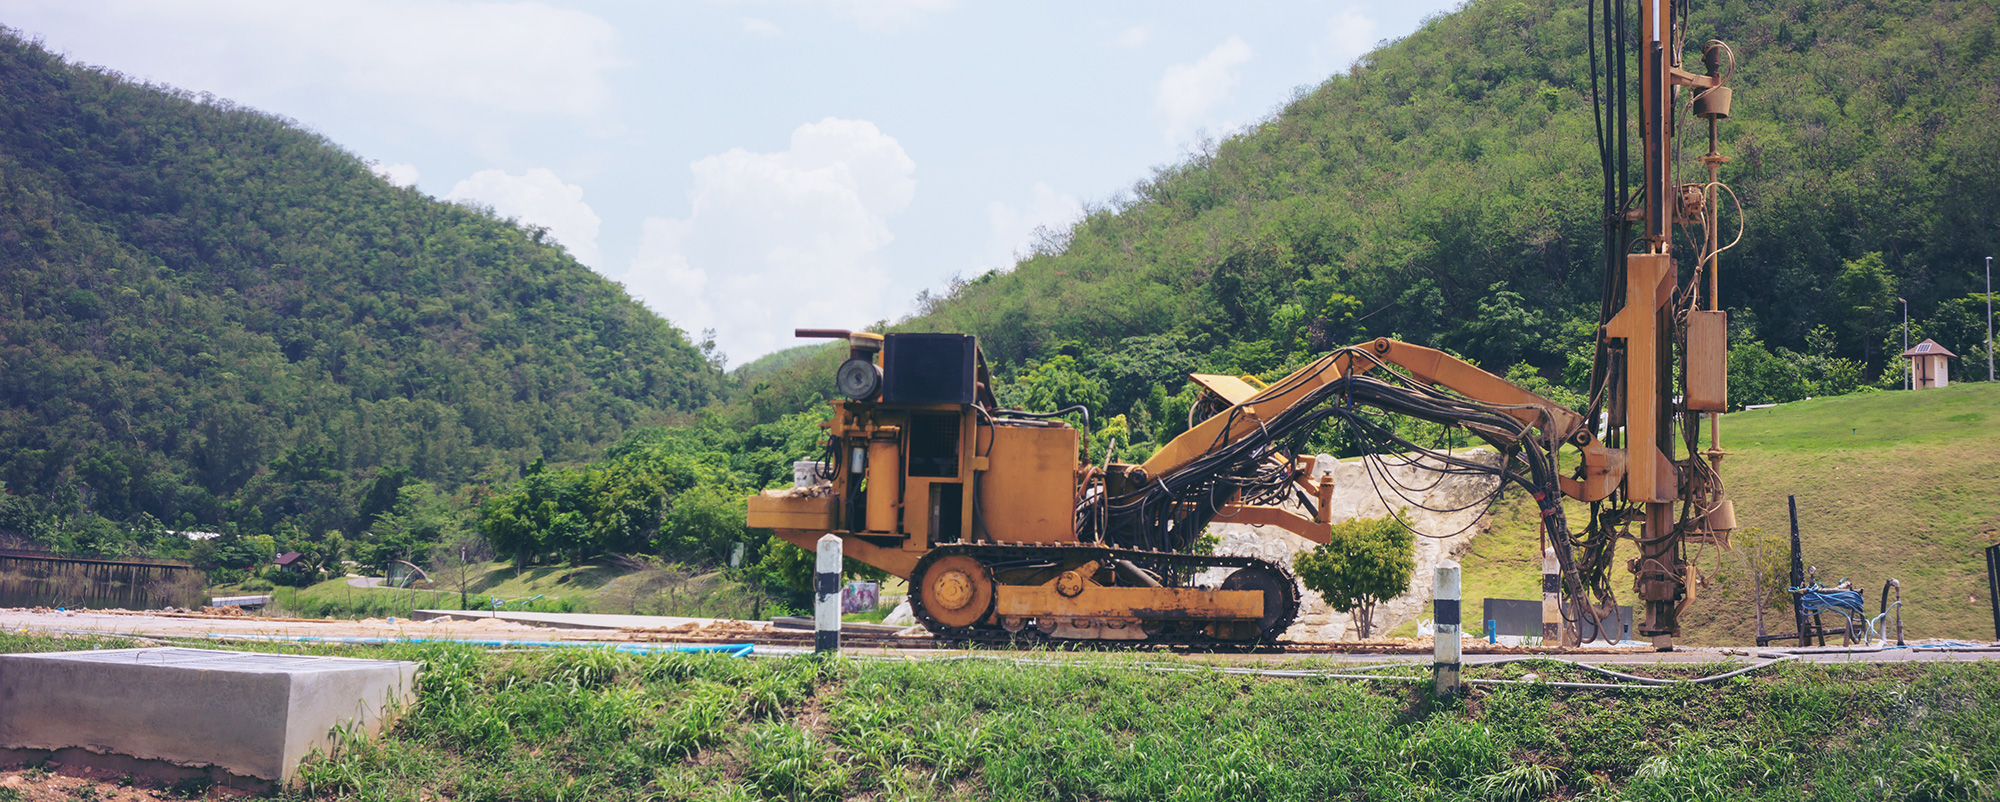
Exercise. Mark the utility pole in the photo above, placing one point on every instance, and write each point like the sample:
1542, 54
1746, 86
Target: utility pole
1989, 318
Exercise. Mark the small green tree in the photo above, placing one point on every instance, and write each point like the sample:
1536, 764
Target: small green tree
1362, 562
1766, 561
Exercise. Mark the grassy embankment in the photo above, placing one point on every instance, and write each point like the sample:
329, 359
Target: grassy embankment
599, 725
1910, 490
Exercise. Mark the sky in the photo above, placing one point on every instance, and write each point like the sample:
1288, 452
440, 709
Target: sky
750, 166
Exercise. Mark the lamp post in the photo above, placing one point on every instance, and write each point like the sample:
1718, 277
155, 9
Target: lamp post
1989, 318
1910, 377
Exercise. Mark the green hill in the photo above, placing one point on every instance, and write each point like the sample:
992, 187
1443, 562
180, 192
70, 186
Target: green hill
1445, 191
1910, 491
211, 315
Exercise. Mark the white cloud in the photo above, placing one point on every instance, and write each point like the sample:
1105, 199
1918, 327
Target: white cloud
777, 241
1350, 34
512, 56
402, 175
761, 27
539, 198
1134, 36
1188, 92
1014, 229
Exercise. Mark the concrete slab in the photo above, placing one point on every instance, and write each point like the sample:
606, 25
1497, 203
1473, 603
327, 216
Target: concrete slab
244, 719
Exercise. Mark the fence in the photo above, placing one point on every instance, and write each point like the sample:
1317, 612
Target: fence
38, 579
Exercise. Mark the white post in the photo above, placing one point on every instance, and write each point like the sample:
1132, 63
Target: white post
1910, 381
1445, 657
826, 595
1555, 631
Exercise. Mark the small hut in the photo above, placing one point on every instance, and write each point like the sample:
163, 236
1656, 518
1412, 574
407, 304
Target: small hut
1927, 364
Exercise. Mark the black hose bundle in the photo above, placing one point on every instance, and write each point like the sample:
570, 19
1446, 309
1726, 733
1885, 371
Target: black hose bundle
1170, 511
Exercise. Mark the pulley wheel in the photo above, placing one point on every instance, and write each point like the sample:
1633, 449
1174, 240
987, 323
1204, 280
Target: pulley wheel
956, 591
1281, 600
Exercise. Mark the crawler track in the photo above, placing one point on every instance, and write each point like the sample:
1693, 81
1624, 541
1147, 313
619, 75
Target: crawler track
1015, 559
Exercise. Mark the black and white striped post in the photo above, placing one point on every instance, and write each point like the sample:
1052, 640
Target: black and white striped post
1556, 630
826, 595
1445, 657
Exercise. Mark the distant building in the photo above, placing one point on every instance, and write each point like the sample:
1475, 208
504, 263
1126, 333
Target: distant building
1927, 364
289, 561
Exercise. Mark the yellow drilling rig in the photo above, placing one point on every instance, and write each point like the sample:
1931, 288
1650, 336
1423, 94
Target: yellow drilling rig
1004, 532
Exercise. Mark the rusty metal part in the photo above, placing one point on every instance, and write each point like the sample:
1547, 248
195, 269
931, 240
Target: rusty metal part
955, 590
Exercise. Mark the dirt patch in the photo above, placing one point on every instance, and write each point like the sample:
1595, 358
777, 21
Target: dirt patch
60, 783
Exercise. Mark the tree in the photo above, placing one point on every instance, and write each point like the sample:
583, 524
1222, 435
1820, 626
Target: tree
421, 518
1767, 561
702, 524
1757, 376
1056, 384
1960, 325
456, 561
1363, 561
1867, 293
542, 514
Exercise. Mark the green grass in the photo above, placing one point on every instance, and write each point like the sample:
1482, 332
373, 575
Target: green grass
588, 588
599, 725
1902, 485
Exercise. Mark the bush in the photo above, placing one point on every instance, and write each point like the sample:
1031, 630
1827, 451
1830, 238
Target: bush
1362, 562
256, 584
226, 576
298, 579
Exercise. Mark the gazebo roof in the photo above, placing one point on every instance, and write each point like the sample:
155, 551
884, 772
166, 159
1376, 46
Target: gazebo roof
1930, 348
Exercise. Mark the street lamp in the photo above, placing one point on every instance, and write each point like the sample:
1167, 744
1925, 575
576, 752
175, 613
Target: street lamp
1909, 379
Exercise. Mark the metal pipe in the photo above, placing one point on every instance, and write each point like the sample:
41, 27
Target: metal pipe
1899, 608
1798, 574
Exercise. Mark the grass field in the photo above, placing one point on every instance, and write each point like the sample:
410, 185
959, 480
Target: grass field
1902, 485
605, 726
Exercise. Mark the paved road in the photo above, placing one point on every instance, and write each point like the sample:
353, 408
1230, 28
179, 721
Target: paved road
595, 628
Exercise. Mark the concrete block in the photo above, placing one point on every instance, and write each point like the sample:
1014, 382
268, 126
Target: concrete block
244, 719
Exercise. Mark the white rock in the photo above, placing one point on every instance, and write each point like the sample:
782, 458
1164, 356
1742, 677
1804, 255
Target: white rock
1359, 489
900, 616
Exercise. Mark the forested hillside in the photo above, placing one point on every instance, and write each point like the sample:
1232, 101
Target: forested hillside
1445, 191
213, 317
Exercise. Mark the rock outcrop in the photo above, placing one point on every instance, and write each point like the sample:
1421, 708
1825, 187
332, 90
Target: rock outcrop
1446, 509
